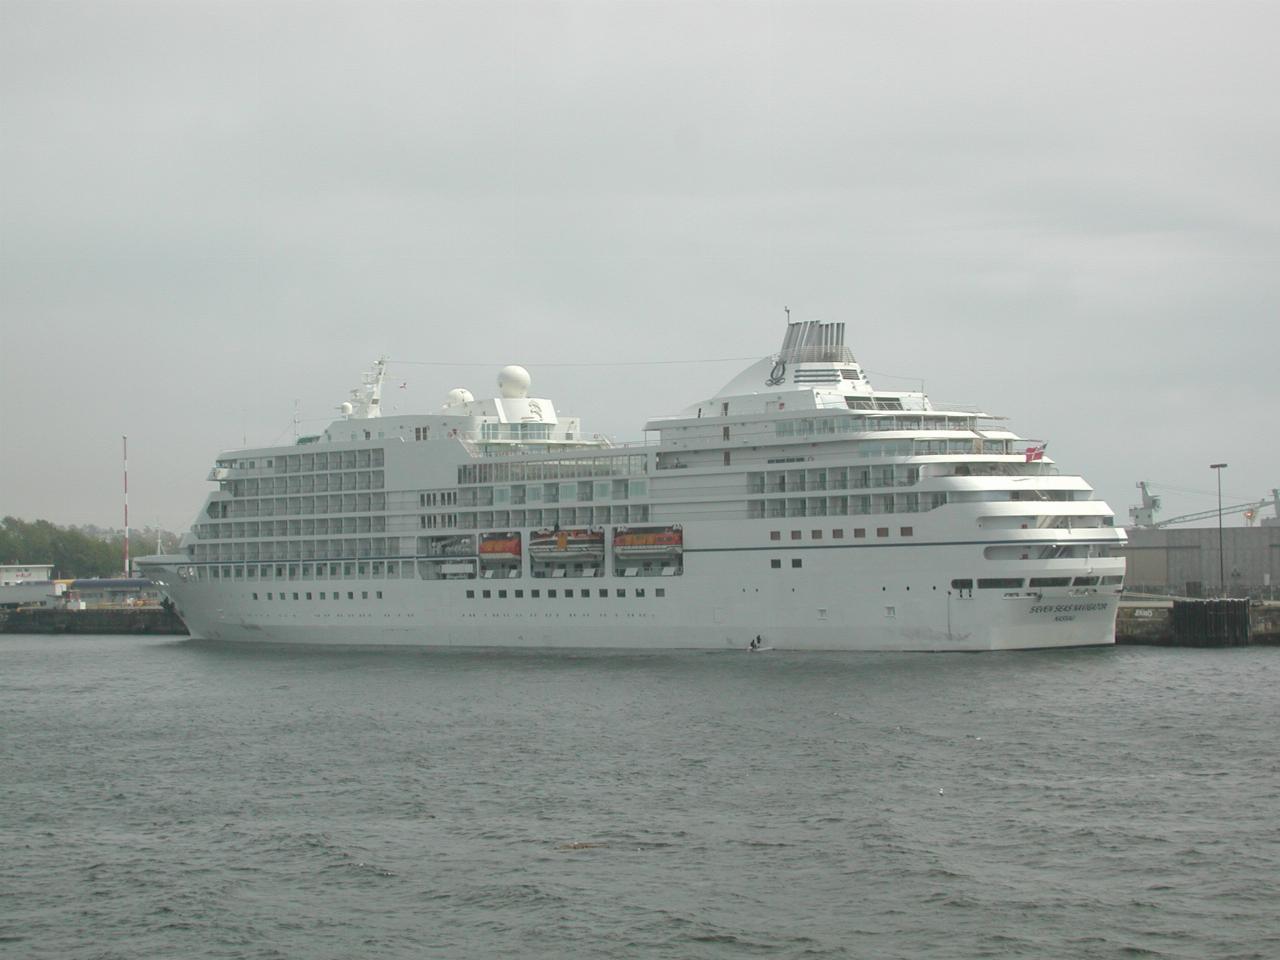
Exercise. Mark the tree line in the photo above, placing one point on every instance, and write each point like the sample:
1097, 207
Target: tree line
75, 552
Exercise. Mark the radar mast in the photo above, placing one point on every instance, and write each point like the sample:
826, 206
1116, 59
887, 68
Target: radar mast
366, 399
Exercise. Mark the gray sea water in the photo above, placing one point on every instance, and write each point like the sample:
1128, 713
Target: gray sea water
169, 798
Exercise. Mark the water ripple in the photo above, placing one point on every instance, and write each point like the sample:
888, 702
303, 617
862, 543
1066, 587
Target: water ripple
210, 801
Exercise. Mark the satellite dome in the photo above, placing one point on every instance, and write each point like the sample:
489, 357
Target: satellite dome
514, 382
458, 396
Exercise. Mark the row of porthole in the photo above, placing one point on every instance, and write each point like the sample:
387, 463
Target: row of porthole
324, 595
775, 563
837, 533
582, 593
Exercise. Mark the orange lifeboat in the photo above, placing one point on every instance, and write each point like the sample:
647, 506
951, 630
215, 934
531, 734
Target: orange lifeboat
569, 544
648, 541
500, 545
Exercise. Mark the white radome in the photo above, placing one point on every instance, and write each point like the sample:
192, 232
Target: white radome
513, 382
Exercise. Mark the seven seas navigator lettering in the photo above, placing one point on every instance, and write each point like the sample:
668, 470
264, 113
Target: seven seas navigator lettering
1069, 607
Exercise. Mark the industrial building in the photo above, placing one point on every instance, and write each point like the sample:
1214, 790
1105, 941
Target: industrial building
1185, 562
12, 574
28, 585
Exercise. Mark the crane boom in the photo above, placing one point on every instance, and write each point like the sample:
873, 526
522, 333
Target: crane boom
1145, 515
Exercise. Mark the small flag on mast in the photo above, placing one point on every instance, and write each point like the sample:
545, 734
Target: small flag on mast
1035, 452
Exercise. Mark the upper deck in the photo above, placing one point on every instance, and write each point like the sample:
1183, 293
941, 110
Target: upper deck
799, 433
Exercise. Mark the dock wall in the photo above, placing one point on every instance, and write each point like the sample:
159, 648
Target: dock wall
144, 620
1198, 624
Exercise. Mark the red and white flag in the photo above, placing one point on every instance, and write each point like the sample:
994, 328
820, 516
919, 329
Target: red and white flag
1035, 453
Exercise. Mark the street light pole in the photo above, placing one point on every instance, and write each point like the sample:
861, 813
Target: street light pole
1222, 563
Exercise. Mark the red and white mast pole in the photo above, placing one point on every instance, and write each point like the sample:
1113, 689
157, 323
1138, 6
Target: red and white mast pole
126, 505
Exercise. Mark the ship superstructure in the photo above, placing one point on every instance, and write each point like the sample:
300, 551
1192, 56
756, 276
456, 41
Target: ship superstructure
799, 504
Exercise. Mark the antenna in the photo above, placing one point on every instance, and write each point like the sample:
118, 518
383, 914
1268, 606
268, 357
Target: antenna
788, 311
125, 440
295, 421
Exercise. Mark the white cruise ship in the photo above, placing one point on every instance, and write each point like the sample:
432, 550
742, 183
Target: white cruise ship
798, 505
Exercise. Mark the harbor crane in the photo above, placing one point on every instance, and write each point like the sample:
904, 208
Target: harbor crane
1145, 514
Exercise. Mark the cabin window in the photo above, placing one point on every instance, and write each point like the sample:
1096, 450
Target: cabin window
999, 583
797, 563
776, 564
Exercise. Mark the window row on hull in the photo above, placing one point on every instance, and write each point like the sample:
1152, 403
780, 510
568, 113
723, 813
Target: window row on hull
606, 465
295, 506
842, 506
321, 461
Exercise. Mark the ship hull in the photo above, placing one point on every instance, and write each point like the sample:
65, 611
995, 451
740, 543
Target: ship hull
895, 598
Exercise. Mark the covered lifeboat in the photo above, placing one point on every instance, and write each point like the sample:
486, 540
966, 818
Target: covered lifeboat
646, 542
568, 544
499, 546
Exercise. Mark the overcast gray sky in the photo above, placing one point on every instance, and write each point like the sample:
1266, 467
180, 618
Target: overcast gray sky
1066, 212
